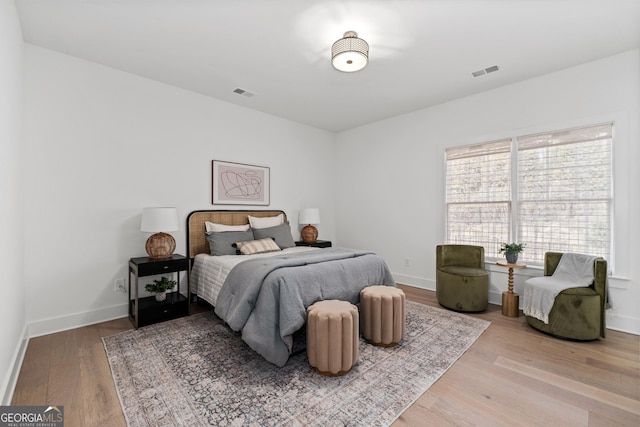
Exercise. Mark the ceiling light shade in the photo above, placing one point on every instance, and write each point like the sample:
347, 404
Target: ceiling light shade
350, 53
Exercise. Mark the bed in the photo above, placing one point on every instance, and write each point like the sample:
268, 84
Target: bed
265, 294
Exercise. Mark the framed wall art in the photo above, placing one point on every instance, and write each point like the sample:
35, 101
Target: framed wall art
239, 184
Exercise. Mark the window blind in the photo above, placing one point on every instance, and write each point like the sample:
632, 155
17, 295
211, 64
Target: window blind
563, 189
478, 194
565, 192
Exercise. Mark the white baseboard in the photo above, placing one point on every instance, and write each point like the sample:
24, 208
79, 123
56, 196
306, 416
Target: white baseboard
623, 324
496, 298
14, 371
416, 282
76, 320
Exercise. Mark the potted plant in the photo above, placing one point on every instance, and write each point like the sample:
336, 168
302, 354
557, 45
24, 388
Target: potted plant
160, 287
511, 251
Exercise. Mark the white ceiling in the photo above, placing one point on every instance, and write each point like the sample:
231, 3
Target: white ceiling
422, 52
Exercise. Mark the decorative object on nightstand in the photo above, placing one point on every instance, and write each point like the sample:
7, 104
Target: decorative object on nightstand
160, 288
310, 217
159, 221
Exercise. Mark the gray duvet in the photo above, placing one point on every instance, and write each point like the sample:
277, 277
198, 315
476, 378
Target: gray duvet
266, 298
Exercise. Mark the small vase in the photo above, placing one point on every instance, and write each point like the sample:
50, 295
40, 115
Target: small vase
512, 258
161, 296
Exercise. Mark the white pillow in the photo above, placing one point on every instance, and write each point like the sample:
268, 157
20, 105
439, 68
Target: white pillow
271, 221
212, 226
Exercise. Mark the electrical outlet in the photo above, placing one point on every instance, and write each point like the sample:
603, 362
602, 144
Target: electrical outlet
119, 285
407, 262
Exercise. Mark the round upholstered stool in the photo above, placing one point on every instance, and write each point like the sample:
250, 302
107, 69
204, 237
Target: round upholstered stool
332, 336
382, 315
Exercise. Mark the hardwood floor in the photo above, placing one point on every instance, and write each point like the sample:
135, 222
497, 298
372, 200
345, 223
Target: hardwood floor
512, 375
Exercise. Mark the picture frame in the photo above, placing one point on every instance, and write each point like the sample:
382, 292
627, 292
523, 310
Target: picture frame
239, 184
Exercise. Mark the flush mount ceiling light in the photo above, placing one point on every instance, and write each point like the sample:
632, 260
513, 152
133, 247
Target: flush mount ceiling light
350, 53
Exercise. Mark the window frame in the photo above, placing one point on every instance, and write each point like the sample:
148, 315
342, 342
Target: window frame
515, 203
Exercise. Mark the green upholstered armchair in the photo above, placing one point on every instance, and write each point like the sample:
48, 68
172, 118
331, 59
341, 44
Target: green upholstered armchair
577, 313
462, 283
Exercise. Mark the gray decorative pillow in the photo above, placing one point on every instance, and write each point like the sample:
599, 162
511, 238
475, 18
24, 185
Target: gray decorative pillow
221, 242
280, 233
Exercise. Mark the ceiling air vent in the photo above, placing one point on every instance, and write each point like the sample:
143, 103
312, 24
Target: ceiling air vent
485, 71
243, 92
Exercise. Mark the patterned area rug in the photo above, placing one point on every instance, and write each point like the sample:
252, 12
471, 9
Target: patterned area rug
195, 371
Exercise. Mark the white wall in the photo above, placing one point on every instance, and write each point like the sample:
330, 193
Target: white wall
12, 315
102, 144
394, 203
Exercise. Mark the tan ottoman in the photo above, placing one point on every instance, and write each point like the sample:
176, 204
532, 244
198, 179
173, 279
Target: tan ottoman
382, 315
332, 336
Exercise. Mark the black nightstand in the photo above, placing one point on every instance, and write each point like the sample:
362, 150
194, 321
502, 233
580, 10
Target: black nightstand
144, 311
316, 244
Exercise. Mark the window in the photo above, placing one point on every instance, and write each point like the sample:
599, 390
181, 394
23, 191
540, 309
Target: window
561, 183
479, 194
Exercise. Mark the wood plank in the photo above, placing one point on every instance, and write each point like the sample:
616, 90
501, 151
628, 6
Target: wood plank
64, 377
101, 403
569, 385
512, 375
33, 380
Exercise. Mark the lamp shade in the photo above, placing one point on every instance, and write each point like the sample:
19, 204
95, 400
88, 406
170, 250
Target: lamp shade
350, 53
309, 216
159, 219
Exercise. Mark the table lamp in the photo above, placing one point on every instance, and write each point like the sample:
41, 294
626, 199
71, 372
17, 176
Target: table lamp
160, 220
309, 217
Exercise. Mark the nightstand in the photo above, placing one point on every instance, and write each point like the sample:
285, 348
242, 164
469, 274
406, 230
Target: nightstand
316, 244
144, 311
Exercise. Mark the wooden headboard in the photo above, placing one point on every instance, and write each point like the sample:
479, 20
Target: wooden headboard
196, 240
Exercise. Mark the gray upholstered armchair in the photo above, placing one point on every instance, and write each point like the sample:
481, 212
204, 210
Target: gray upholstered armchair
577, 313
462, 283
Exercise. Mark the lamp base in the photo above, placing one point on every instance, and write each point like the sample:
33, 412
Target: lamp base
160, 246
309, 234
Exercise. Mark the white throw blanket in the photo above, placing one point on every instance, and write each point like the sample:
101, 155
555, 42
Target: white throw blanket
573, 271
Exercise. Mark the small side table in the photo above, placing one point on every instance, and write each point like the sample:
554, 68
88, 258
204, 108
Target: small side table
316, 244
144, 311
510, 300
